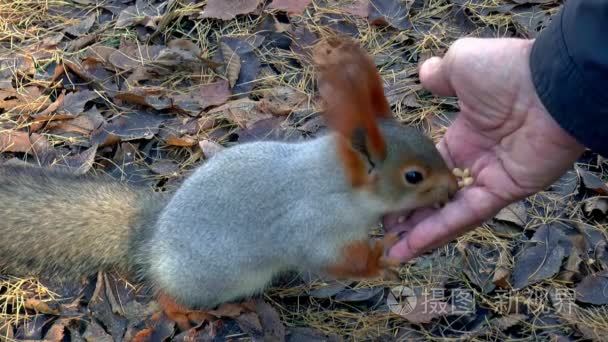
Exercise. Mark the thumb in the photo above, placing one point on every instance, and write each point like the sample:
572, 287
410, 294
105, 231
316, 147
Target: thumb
434, 77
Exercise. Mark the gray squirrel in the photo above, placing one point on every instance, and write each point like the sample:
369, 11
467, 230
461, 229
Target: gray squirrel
245, 215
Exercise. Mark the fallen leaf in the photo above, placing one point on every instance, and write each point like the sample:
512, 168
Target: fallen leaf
530, 20
181, 132
41, 306
592, 181
292, 7
233, 64
250, 324
567, 184
78, 164
542, 259
74, 103
390, 12
572, 267
506, 322
281, 100
81, 42
593, 289
273, 328
228, 9
231, 310
596, 205
242, 112
47, 114
83, 26
93, 70
26, 101
142, 13
128, 126
479, 266
415, 306
130, 56
213, 94
101, 310
17, 141
95, 332
164, 167
359, 295
329, 290
514, 213
210, 148
154, 97
249, 64
301, 334
359, 8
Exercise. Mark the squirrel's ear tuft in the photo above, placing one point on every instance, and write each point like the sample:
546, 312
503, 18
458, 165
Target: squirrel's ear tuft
352, 90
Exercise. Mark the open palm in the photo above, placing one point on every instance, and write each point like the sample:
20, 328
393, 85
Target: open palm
503, 134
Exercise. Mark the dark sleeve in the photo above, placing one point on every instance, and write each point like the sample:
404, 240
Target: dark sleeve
569, 64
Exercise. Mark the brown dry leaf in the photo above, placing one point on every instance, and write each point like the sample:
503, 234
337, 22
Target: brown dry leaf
359, 295
92, 70
47, 114
25, 101
214, 94
596, 205
505, 322
73, 103
292, 7
130, 56
414, 306
250, 324
359, 8
282, 100
95, 332
273, 328
243, 112
515, 213
164, 167
593, 289
592, 181
479, 266
79, 164
228, 9
233, 64
181, 131
17, 141
231, 310
155, 97
41, 307
129, 126
83, 26
572, 267
210, 148
390, 12
244, 47
81, 42
542, 259
140, 14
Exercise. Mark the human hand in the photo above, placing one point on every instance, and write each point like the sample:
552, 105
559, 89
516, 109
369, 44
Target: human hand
503, 134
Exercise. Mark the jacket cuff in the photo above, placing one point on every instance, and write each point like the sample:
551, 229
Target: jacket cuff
563, 90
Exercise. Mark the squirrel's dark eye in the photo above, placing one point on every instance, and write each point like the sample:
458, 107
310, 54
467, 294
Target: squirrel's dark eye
413, 177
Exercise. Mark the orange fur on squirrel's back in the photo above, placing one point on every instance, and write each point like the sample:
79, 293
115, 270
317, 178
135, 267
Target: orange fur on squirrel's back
352, 90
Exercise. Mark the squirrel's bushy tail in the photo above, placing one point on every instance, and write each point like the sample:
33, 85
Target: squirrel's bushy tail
53, 222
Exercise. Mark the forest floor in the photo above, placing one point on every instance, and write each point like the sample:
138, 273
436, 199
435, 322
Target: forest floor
145, 91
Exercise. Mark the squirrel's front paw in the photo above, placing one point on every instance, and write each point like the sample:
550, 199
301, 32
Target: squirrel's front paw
365, 259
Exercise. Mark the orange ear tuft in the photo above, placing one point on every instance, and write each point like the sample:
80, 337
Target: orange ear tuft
352, 90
